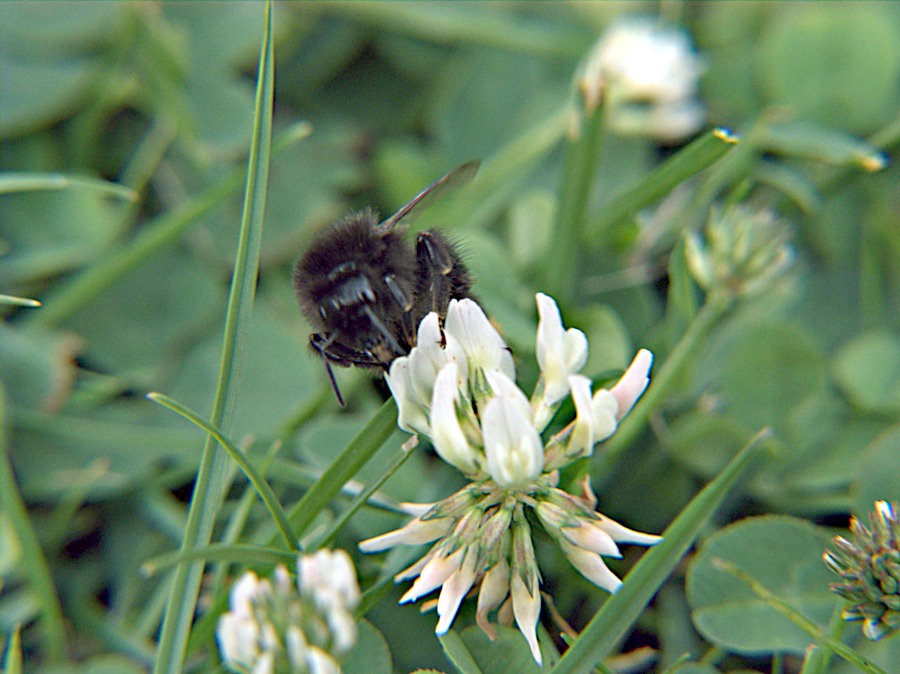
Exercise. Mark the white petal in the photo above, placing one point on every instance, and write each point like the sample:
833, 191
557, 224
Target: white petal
575, 347
515, 453
296, 646
633, 383
494, 588
414, 532
604, 412
446, 433
320, 662
581, 441
527, 609
559, 352
506, 388
410, 412
436, 571
454, 591
591, 538
248, 588
482, 344
622, 534
265, 664
591, 566
238, 639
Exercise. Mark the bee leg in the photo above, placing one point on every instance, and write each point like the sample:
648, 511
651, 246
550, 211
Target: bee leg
382, 328
405, 303
436, 259
320, 343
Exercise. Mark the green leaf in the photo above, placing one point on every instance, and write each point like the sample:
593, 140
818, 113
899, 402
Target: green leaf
38, 366
700, 154
785, 555
37, 570
868, 371
766, 371
370, 655
458, 653
56, 231
878, 472
49, 60
811, 55
509, 653
803, 138
29, 182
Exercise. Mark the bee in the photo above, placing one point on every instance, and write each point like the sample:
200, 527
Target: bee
365, 289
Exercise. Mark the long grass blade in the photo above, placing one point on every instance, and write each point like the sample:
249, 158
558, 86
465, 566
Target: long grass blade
211, 483
700, 154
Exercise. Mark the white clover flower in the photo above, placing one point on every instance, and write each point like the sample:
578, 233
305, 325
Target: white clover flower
279, 627
478, 419
647, 76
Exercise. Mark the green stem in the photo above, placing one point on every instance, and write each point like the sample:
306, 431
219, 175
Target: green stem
154, 236
259, 483
579, 169
800, 620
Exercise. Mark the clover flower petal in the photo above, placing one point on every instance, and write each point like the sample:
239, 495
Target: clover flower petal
478, 339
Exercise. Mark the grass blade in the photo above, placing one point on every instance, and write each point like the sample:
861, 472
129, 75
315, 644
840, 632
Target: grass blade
360, 449
33, 182
210, 484
154, 236
259, 483
697, 156
40, 580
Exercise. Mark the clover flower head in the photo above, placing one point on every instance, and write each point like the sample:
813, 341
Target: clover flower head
279, 627
743, 251
647, 75
869, 566
482, 423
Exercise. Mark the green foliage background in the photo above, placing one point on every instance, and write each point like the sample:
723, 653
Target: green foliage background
158, 99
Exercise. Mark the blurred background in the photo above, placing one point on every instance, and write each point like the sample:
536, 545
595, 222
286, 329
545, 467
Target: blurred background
157, 97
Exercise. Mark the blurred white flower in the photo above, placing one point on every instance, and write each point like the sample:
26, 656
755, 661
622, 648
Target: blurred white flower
467, 402
647, 76
279, 627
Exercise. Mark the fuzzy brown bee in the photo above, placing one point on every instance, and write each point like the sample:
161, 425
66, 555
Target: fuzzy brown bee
365, 289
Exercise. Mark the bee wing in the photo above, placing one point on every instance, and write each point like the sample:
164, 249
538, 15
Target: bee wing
456, 178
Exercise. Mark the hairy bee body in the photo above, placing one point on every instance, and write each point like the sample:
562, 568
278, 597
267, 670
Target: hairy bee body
365, 289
